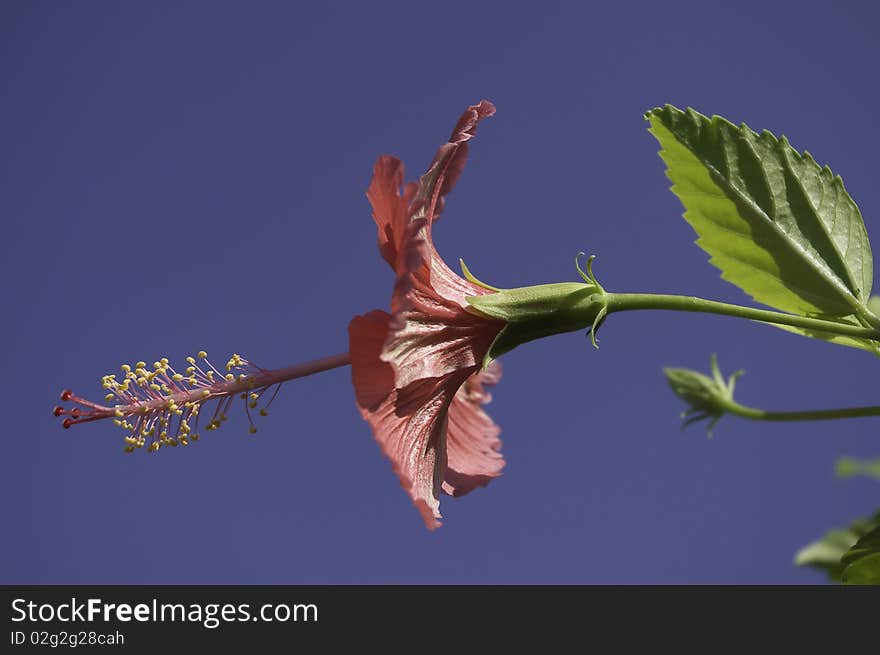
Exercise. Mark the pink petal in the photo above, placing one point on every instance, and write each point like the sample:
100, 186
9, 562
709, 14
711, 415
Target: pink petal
434, 331
410, 423
392, 212
449, 161
472, 443
390, 208
372, 378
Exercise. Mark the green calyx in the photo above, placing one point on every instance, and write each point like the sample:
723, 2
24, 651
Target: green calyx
543, 310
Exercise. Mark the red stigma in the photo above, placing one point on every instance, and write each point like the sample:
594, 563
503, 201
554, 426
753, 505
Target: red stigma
58, 411
66, 423
66, 394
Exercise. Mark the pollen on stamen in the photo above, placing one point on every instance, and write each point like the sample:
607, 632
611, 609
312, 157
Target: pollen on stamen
160, 407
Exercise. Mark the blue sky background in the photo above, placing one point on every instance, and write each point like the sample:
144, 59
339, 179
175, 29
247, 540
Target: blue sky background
191, 175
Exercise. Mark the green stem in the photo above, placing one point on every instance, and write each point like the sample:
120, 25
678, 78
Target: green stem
621, 302
755, 414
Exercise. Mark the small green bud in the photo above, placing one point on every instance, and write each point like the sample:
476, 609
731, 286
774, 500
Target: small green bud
707, 397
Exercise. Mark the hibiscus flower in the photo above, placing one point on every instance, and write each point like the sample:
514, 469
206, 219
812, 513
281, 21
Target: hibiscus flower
418, 371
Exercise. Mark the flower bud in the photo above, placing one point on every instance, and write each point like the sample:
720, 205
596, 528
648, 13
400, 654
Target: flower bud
707, 397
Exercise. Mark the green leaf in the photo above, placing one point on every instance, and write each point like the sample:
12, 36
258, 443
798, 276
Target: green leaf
850, 467
826, 553
862, 561
775, 223
864, 571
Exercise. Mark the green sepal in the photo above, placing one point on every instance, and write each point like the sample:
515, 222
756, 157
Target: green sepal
529, 303
470, 277
539, 311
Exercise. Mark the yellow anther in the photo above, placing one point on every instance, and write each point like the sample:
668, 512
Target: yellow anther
210, 375
129, 449
203, 354
117, 422
242, 377
118, 412
191, 360
263, 412
253, 429
230, 377
222, 416
254, 396
195, 437
190, 369
109, 397
164, 361
205, 393
155, 387
177, 377
125, 368
252, 404
140, 365
184, 441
